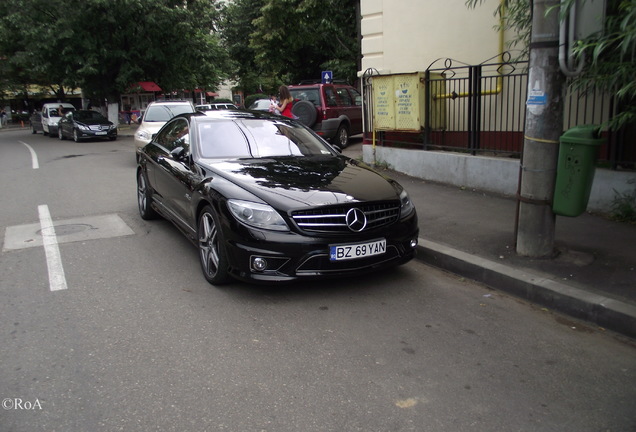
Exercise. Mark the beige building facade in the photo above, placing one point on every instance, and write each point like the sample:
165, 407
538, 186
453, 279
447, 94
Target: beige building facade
403, 36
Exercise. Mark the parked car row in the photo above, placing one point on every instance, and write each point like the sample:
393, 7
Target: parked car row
62, 120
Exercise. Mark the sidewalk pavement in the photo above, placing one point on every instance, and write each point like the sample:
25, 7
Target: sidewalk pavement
592, 275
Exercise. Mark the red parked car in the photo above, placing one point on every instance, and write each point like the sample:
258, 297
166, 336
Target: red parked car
333, 111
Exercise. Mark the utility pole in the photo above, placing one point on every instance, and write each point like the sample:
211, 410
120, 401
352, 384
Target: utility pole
544, 124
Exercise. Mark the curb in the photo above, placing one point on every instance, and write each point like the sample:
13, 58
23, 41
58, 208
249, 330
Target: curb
533, 286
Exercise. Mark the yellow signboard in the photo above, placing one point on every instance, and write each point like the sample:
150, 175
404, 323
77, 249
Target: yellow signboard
399, 104
383, 105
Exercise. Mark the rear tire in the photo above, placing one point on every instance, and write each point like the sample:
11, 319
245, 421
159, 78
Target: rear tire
211, 243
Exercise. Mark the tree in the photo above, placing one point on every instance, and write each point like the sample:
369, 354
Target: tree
236, 27
611, 64
291, 40
103, 46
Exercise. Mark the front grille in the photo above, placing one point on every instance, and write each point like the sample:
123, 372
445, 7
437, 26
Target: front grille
333, 219
98, 127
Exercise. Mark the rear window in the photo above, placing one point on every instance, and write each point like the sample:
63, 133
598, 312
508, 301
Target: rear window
311, 95
163, 113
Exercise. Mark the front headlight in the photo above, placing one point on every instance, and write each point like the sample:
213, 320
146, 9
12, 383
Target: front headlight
143, 135
257, 215
407, 206
82, 127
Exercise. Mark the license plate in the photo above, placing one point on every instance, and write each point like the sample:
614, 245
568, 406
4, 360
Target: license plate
100, 133
357, 250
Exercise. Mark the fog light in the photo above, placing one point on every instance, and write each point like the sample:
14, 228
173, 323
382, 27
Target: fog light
259, 264
413, 243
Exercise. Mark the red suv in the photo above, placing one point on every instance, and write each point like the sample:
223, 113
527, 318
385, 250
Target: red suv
333, 111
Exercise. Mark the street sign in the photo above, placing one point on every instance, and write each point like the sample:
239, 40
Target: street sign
327, 77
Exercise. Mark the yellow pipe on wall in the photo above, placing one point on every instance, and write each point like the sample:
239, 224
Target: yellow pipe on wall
499, 87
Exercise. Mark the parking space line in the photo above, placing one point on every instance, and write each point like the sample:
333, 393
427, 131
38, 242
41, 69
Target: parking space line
34, 156
57, 279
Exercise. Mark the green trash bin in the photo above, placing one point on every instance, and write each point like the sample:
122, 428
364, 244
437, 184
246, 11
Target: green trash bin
578, 151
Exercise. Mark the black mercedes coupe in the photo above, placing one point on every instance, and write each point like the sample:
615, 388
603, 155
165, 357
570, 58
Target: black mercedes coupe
266, 200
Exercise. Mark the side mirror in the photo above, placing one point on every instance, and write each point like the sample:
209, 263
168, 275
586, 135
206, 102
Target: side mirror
179, 153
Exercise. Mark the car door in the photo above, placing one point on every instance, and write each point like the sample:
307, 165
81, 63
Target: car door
66, 125
174, 179
45, 118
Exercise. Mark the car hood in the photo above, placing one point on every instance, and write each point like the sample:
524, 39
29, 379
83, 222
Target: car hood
293, 182
151, 127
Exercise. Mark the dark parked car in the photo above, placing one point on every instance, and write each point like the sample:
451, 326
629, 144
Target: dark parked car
267, 200
85, 124
333, 111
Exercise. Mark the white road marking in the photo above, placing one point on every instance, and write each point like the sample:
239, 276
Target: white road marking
67, 231
57, 279
34, 156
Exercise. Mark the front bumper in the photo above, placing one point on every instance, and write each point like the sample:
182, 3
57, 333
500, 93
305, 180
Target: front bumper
86, 134
291, 256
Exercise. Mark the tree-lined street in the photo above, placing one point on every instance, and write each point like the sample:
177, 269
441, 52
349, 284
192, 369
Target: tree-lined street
139, 341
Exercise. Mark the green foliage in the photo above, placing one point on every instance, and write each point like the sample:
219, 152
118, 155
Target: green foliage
611, 60
290, 40
610, 55
103, 46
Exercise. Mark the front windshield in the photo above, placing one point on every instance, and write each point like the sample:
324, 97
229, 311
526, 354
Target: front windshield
88, 115
257, 138
163, 113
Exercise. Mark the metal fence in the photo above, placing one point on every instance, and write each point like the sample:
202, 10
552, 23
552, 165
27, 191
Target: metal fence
480, 109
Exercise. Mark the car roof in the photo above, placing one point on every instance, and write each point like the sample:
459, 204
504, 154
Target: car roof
230, 115
168, 102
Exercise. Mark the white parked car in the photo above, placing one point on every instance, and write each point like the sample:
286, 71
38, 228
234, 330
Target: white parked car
51, 116
155, 116
216, 106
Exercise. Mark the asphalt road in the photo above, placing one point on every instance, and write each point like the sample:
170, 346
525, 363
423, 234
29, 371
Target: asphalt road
136, 340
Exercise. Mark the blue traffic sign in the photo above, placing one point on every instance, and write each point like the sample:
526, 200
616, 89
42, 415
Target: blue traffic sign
327, 77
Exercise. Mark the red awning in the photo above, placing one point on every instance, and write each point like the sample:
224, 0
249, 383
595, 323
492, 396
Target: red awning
148, 86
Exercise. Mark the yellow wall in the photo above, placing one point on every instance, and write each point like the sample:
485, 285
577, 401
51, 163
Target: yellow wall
401, 36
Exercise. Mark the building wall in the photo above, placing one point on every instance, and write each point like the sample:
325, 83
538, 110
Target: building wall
400, 36
498, 175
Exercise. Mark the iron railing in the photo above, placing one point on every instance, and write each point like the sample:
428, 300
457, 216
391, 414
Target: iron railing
480, 110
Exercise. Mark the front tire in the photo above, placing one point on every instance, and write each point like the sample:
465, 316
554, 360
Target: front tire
76, 136
144, 198
60, 135
212, 255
